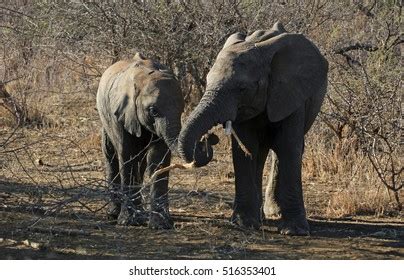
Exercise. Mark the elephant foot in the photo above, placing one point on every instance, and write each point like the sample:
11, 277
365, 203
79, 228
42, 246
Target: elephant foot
132, 217
294, 226
271, 209
113, 210
159, 220
245, 221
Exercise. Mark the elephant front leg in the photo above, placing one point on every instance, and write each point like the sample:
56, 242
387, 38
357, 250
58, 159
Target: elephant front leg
247, 205
289, 193
158, 157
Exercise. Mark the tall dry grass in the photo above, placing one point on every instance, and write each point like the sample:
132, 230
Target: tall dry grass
344, 169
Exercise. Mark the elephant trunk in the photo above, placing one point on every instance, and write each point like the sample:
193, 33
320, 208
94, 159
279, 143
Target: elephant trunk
213, 109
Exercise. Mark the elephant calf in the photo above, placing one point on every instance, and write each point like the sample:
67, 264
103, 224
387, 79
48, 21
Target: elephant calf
140, 106
270, 85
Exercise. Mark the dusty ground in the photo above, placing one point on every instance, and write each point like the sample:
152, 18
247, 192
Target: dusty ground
52, 203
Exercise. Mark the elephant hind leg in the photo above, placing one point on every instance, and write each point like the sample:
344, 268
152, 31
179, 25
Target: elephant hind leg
271, 207
262, 154
112, 176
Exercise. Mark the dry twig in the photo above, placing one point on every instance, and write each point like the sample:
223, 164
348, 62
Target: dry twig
242, 146
160, 171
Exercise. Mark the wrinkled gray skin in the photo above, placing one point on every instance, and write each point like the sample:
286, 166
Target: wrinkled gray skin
140, 105
271, 85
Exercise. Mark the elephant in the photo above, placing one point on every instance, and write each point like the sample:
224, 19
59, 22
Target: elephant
140, 105
270, 86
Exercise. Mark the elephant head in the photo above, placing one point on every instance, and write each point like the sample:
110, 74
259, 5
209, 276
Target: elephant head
151, 98
272, 71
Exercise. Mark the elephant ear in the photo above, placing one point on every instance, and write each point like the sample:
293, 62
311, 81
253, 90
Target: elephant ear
123, 101
234, 39
297, 72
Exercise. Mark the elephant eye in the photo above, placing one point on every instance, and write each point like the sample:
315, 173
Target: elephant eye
153, 112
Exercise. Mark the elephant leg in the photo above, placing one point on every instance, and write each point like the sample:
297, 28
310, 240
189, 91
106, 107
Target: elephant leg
262, 155
289, 149
271, 207
112, 175
246, 208
159, 156
132, 167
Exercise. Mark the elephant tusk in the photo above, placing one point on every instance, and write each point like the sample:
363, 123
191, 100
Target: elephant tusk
160, 171
228, 128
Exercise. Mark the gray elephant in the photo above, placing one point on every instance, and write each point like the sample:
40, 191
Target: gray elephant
271, 85
140, 104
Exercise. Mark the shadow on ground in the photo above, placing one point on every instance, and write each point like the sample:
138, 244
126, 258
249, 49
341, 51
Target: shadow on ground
202, 231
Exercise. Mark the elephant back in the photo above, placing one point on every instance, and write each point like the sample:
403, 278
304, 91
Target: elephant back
151, 67
262, 35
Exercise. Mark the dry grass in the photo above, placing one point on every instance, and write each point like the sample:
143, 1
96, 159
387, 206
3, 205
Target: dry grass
357, 190
60, 203
359, 201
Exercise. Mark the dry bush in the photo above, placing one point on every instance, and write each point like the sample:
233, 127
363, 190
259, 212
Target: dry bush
328, 161
366, 93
